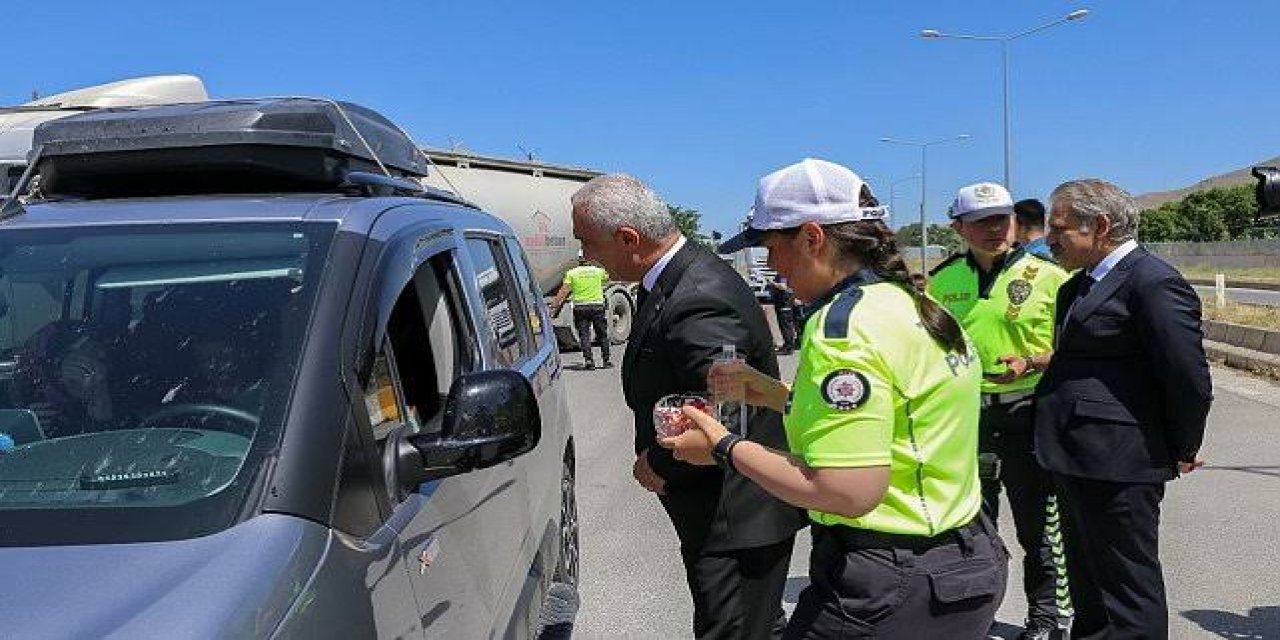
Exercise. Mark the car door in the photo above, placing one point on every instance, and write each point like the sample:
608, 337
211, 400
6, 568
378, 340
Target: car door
461, 535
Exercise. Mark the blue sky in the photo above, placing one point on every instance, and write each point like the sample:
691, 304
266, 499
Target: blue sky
702, 98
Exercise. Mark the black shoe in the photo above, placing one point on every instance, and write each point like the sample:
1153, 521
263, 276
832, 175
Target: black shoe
607, 365
1042, 630
590, 366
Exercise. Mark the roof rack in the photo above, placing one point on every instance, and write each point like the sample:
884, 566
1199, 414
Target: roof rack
233, 146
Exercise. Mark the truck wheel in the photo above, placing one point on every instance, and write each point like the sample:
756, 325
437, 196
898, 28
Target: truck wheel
620, 314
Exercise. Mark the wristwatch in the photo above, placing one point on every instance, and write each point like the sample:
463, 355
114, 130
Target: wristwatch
1031, 365
722, 452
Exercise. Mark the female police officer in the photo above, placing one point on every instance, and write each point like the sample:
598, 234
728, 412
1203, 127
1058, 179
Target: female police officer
882, 422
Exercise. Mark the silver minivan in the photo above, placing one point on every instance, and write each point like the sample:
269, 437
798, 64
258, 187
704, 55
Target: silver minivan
311, 413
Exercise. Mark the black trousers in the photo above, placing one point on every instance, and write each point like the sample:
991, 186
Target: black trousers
1113, 558
586, 318
949, 589
1007, 431
738, 594
786, 324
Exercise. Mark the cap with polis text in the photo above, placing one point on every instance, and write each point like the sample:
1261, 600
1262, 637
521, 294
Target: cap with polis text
811, 190
982, 200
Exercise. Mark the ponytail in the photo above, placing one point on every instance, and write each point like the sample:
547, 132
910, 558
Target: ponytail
873, 244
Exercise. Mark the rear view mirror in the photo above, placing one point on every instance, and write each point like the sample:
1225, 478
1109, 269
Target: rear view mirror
489, 417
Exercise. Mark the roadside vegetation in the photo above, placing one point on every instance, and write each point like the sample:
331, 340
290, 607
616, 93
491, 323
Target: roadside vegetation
1261, 274
1254, 315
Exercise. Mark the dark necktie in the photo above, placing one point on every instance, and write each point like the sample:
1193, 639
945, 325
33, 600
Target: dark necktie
640, 297
1085, 285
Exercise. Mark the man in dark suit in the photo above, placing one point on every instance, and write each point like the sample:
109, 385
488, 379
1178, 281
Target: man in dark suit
735, 539
1121, 407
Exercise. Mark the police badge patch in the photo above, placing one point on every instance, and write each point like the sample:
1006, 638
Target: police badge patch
845, 389
1019, 291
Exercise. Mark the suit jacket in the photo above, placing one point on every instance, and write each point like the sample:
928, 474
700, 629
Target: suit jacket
698, 305
1126, 395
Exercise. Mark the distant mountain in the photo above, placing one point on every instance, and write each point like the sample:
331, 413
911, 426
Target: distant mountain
1239, 176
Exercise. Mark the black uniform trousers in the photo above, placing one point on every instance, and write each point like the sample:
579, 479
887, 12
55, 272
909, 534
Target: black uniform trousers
785, 313
1007, 431
585, 318
738, 593
1111, 532
870, 585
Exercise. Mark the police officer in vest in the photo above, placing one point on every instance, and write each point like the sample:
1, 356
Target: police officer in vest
1005, 298
881, 422
584, 286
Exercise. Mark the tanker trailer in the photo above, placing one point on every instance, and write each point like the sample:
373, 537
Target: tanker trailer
533, 197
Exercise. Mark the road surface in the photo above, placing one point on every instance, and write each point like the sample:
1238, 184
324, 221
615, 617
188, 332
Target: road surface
1219, 544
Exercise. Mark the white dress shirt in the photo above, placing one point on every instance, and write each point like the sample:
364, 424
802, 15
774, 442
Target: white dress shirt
651, 278
1108, 263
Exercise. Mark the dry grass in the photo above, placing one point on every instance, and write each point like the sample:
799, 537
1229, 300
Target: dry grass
1259, 274
1254, 315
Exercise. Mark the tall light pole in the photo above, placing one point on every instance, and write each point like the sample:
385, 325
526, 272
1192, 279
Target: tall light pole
924, 162
1004, 41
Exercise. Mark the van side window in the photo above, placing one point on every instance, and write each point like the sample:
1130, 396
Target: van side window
382, 398
509, 332
533, 302
427, 343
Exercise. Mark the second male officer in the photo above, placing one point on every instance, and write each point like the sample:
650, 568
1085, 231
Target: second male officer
584, 285
1005, 298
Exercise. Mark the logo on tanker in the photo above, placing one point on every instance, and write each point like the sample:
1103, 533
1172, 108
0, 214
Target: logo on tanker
542, 238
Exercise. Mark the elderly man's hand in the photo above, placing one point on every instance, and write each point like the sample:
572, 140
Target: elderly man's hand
1187, 467
646, 476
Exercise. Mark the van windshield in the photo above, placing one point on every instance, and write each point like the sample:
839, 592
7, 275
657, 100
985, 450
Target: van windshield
144, 373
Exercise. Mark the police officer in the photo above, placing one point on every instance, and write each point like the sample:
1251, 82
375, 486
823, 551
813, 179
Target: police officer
1005, 298
584, 286
783, 300
881, 420
1030, 215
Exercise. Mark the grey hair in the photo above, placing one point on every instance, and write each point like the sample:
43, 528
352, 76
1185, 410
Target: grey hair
619, 200
1089, 198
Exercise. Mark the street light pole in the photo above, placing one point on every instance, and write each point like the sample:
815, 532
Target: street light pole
1008, 137
1004, 41
924, 161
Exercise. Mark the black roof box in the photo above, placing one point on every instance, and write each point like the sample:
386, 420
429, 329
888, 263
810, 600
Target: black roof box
240, 146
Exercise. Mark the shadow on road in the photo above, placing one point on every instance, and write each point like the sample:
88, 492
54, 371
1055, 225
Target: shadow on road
1262, 623
1273, 471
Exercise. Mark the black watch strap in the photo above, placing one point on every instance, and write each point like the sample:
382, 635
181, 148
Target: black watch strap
724, 448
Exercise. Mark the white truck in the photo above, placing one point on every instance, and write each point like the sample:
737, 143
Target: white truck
533, 197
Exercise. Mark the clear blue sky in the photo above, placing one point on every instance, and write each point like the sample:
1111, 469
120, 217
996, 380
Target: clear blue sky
702, 98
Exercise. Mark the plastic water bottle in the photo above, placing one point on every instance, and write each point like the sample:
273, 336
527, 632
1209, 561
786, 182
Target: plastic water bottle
731, 408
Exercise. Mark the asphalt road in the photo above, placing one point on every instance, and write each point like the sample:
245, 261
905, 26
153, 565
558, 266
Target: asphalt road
1220, 548
1251, 296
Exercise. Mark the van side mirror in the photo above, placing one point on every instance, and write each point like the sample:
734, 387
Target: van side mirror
489, 417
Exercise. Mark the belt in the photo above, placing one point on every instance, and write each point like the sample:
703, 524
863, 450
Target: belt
1010, 397
853, 538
